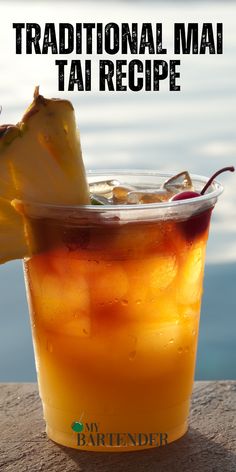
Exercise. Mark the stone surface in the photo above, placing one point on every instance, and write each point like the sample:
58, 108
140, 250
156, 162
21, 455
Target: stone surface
209, 445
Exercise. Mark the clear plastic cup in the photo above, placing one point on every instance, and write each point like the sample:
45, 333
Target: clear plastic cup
114, 293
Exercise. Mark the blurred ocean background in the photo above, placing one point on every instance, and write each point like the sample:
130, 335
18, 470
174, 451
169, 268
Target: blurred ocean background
193, 129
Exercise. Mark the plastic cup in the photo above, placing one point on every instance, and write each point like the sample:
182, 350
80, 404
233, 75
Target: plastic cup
114, 293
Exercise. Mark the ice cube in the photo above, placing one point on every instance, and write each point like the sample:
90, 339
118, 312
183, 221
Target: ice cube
160, 272
154, 273
158, 342
79, 327
181, 181
62, 299
191, 275
147, 196
99, 200
162, 308
120, 193
103, 187
108, 283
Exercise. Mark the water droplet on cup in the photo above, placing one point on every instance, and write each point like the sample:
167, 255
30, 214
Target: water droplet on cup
124, 302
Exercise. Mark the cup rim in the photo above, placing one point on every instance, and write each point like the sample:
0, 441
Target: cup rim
212, 195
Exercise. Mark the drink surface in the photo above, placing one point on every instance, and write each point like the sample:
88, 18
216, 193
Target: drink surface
115, 313
112, 191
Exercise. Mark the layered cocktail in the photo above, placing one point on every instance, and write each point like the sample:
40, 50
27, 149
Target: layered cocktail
115, 294
114, 268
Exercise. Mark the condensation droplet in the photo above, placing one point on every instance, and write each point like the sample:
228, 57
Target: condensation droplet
186, 349
194, 332
132, 355
138, 302
124, 302
171, 341
85, 332
180, 350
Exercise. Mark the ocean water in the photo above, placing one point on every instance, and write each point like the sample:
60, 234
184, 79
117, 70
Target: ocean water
192, 129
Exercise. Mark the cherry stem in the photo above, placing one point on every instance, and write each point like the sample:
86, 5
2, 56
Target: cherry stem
231, 169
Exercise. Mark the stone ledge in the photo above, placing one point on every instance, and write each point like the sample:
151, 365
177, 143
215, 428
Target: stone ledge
209, 445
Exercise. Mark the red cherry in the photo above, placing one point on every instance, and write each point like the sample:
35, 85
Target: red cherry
189, 194
198, 223
185, 195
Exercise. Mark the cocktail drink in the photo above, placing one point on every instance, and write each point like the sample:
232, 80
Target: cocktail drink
114, 269
115, 295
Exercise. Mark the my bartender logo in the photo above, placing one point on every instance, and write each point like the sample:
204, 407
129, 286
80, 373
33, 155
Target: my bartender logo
89, 435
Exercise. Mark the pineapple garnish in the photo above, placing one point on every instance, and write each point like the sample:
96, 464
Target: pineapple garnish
40, 161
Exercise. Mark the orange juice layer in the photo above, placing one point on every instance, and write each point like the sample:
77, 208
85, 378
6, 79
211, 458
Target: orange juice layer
115, 316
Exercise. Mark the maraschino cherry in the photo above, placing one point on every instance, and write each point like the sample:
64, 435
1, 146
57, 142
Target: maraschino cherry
192, 194
198, 223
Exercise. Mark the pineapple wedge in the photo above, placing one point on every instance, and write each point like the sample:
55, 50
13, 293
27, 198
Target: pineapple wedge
40, 161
